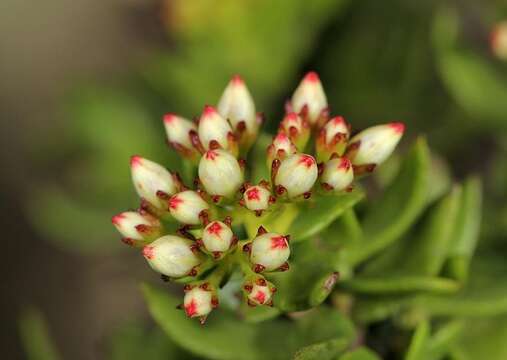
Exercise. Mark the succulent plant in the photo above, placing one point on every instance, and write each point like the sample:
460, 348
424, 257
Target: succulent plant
230, 219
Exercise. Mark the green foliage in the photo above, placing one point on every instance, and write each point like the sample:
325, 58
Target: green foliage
224, 337
34, 333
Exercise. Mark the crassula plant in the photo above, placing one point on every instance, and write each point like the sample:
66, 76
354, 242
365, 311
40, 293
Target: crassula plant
313, 155
262, 226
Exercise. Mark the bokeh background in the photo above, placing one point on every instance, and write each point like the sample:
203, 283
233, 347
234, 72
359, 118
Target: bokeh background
84, 85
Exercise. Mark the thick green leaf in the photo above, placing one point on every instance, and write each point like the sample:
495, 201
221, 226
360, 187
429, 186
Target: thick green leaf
466, 230
400, 284
430, 249
133, 342
484, 339
418, 343
35, 336
484, 295
226, 337
361, 353
316, 215
323, 351
395, 211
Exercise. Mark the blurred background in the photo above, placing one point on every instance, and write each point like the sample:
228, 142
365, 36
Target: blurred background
84, 85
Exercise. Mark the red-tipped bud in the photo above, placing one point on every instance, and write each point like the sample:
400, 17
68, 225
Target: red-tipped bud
220, 173
310, 93
372, 146
151, 178
270, 251
187, 206
198, 301
499, 40
237, 106
214, 129
217, 237
332, 138
258, 291
137, 228
178, 134
280, 148
296, 128
171, 255
297, 174
337, 174
257, 198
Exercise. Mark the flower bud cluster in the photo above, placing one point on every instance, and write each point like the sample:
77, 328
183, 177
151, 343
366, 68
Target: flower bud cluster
205, 249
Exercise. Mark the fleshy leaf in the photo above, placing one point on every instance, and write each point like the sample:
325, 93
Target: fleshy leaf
224, 337
398, 207
34, 332
400, 284
361, 353
322, 351
316, 215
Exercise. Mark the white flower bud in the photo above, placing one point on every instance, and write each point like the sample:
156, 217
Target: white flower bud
198, 302
372, 146
297, 174
178, 129
280, 148
217, 237
296, 128
136, 228
171, 255
270, 251
499, 40
215, 129
150, 178
220, 173
332, 138
257, 198
259, 292
237, 105
187, 206
337, 174
310, 93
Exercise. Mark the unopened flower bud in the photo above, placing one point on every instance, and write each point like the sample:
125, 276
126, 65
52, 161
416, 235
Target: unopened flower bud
178, 134
499, 40
269, 252
214, 131
297, 174
372, 146
237, 106
337, 174
199, 302
187, 207
171, 255
150, 180
220, 173
310, 93
332, 138
259, 291
136, 228
257, 198
217, 238
296, 128
280, 148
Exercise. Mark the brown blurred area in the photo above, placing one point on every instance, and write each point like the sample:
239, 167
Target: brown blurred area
43, 45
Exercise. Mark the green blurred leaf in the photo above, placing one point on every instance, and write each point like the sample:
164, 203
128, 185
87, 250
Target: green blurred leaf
418, 343
133, 342
316, 215
483, 295
473, 82
466, 230
361, 353
390, 216
35, 337
389, 284
323, 351
224, 337
484, 339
